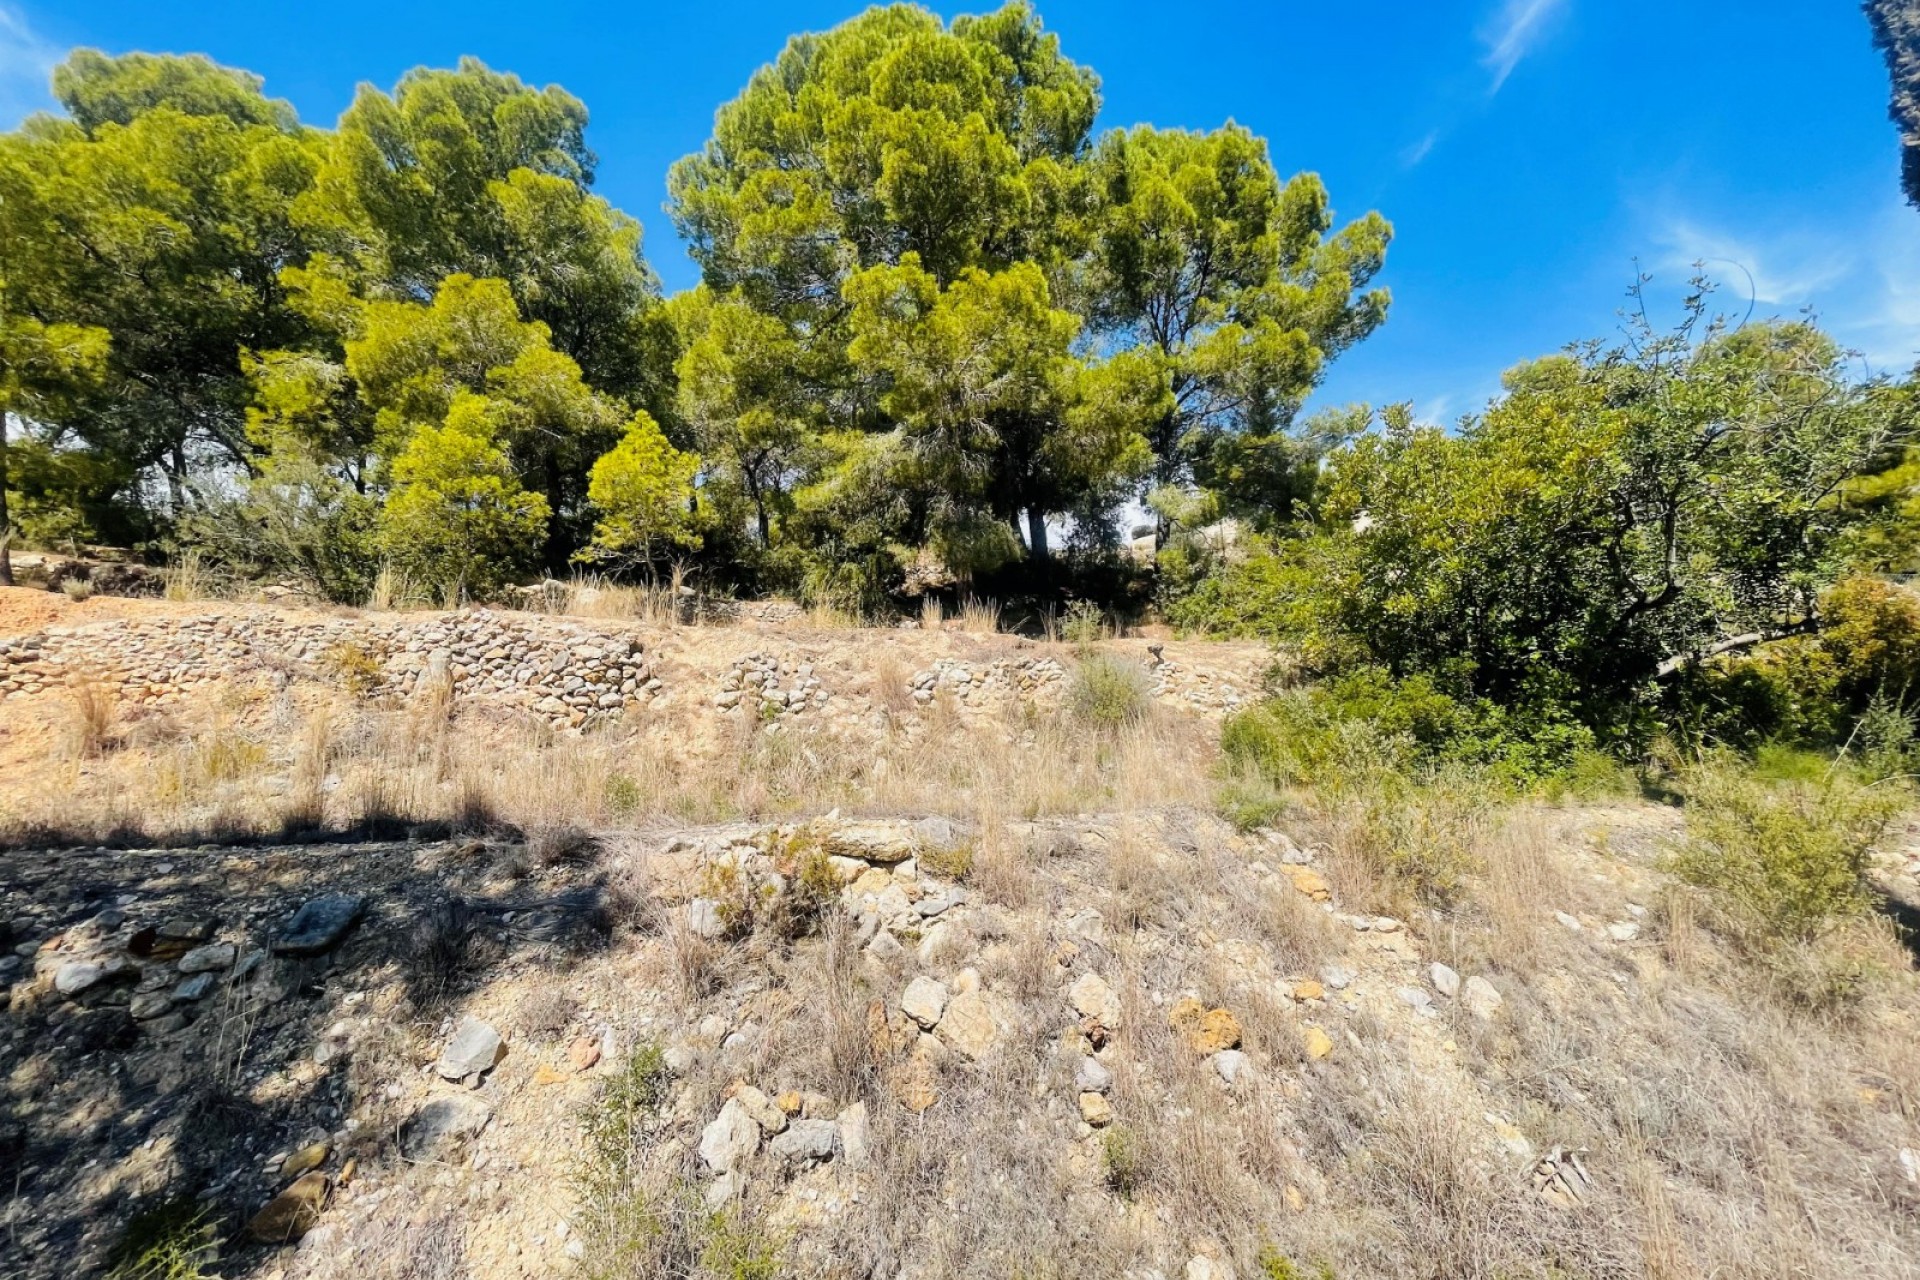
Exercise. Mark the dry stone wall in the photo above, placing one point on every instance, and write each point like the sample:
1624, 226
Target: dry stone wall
566, 672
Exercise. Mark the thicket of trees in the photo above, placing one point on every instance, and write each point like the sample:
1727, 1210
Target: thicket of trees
945, 336
940, 322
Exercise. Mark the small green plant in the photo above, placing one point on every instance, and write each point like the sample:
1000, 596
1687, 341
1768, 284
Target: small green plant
624, 796
357, 668
1123, 1160
813, 887
1275, 1265
1083, 623
951, 862
619, 1225
1108, 694
737, 1248
1250, 802
76, 589
1790, 858
174, 1240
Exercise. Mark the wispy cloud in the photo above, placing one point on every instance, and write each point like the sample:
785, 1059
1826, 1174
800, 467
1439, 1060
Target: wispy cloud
1413, 155
1512, 35
1865, 288
26, 64
1505, 38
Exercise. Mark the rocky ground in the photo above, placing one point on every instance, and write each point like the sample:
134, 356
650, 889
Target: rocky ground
1088, 1030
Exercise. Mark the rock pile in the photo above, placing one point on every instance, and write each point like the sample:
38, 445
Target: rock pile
758, 679
976, 686
569, 673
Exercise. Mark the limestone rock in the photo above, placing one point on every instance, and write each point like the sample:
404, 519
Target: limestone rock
320, 924
1095, 1109
1093, 998
438, 1128
1206, 1031
1091, 1075
1445, 980
968, 1025
765, 1111
475, 1048
1481, 999
856, 1136
732, 1136
1307, 881
703, 918
1317, 1043
306, 1159
76, 977
194, 988
215, 957
1230, 1065
583, 1054
806, 1142
925, 1001
1336, 977
149, 1005
1309, 990
288, 1215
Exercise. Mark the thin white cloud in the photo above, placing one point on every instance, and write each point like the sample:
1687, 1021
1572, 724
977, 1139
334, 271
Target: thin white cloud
1414, 154
1863, 287
26, 65
1512, 35
1780, 269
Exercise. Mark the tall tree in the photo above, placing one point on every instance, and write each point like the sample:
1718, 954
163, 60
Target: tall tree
888, 135
473, 172
1896, 32
999, 419
1615, 515
160, 212
1202, 256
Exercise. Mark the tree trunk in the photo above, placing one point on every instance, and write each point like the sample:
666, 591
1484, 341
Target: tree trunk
6, 517
1037, 534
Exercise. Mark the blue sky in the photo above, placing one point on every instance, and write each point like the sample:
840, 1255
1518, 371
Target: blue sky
1527, 151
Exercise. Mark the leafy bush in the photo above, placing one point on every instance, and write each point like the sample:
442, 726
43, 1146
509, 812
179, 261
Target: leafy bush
1108, 694
1789, 858
1814, 690
1357, 726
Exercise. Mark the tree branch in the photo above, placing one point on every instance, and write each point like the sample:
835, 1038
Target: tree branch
1681, 661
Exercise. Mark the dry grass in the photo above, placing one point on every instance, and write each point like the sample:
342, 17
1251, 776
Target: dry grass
92, 728
591, 595
979, 616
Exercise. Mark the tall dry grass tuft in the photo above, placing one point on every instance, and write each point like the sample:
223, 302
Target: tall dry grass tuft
189, 578
92, 728
305, 806
981, 616
932, 613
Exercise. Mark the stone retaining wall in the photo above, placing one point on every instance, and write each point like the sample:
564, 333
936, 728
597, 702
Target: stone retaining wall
566, 672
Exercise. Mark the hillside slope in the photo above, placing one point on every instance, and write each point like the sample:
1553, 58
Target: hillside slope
853, 954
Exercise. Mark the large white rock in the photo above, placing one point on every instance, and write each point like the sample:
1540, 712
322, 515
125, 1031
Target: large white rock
732, 1137
925, 1000
1481, 999
1093, 998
